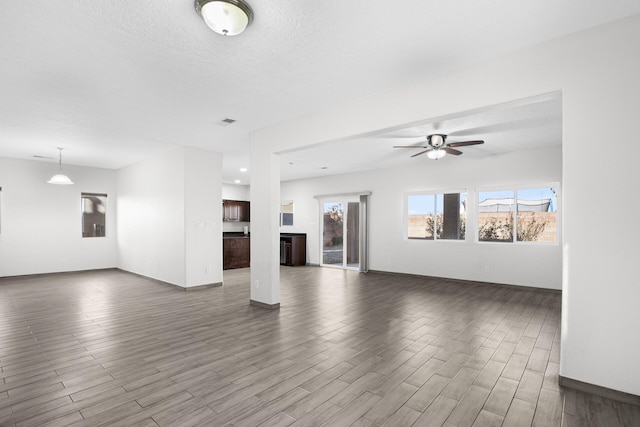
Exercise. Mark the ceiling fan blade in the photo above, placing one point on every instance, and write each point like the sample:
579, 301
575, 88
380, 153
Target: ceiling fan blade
410, 146
464, 143
422, 152
452, 151
400, 136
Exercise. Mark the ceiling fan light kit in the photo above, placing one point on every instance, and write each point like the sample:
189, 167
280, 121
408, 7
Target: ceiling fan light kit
437, 148
436, 154
226, 17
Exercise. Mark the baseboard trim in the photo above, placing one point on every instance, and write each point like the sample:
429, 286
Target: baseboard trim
202, 287
264, 305
471, 282
59, 273
173, 285
56, 273
153, 279
605, 392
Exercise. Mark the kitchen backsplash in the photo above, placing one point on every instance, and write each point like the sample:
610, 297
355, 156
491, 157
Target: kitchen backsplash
235, 226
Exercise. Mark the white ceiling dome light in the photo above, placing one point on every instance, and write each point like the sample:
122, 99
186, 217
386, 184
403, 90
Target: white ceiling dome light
226, 17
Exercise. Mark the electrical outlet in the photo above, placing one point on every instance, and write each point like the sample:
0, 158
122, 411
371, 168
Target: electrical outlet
486, 268
257, 284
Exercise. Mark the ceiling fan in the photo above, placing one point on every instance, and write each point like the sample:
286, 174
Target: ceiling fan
437, 147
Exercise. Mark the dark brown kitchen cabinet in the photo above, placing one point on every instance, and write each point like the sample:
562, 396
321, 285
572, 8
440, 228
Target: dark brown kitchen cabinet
236, 252
236, 211
293, 249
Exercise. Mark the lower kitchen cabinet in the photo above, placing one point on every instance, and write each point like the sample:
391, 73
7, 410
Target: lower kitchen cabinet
236, 252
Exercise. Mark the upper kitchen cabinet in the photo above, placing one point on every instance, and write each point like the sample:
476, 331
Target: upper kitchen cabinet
236, 211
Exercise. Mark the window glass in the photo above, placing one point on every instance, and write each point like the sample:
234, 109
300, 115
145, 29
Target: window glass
519, 215
421, 217
94, 212
436, 216
537, 215
451, 216
495, 216
286, 213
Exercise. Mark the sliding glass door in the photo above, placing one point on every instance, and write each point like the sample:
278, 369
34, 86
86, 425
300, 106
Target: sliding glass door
340, 233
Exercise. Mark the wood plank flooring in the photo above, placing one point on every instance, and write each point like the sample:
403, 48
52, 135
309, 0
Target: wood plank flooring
112, 348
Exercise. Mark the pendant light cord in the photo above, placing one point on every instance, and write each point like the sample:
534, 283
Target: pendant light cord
60, 158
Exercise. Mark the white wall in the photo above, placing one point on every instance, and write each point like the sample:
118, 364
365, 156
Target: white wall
203, 217
151, 218
265, 255
235, 192
518, 264
169, 208
601, 286
41, 223
596, 71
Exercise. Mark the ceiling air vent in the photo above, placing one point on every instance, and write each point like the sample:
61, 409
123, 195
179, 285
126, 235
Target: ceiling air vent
226, 122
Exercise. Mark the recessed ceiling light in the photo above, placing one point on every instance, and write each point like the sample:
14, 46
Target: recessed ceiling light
243, 169
237, 181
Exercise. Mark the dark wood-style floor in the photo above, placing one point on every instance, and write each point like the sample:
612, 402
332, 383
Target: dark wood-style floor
111, 348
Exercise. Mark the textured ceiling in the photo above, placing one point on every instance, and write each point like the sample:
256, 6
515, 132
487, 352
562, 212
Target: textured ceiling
116, 81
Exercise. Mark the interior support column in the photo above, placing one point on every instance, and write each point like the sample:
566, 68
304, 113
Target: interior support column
265, 231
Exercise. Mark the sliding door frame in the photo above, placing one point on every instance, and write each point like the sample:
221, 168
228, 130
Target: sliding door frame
362, 198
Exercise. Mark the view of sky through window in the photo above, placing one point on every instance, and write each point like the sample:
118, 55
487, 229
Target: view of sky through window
524, 194
421, 204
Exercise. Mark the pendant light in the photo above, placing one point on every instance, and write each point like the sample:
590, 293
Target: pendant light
60, 178
226, 17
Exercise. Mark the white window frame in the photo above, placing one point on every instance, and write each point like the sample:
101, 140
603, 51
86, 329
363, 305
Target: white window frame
405, 220
515, 188
82, 197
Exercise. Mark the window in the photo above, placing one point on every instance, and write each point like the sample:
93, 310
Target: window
286, 213
436, 216
94, 210
533, 209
